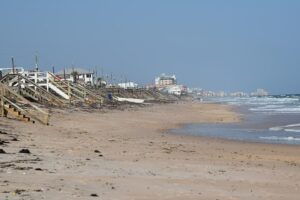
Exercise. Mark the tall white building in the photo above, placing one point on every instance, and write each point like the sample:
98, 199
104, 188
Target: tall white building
164, 80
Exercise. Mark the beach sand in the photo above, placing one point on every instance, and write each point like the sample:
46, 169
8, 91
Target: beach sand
129, 155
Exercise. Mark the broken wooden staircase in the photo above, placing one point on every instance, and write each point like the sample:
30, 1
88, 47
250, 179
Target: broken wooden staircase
13, 104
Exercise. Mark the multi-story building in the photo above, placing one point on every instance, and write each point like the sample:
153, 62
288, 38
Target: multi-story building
259, 93
164, 80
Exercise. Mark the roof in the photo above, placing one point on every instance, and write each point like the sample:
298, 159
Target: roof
166, 77
70, 70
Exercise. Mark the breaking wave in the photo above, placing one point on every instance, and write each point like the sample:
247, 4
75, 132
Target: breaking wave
287, 128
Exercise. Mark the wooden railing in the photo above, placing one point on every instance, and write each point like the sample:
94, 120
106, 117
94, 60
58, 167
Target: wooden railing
42, 93
76, 90
8, 96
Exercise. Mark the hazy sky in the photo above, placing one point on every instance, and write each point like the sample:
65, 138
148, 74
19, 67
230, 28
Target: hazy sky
218, 45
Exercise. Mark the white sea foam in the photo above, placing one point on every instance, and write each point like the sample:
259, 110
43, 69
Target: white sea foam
276, 128
292, 130
277, 109
290, 138
292, 125
287, 128
266, 104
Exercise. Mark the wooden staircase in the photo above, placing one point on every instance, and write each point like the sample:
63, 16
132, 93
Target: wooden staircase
15, 105
76, 92
30, 89
28, 93
10, 108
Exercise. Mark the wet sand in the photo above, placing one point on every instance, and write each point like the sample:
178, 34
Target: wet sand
129, 155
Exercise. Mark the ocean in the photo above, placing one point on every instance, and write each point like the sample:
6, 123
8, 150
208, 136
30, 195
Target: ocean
272, 119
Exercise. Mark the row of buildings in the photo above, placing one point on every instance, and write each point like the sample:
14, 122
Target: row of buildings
164, 83
208, 93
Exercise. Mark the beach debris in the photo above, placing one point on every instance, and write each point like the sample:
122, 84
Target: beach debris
2, 151
3, 132
24, 151
130, 100
97, 151
19, 191
291, 163
94, 195
222, 171
3, 142
22, 168
38, 169
151, 173
6, 165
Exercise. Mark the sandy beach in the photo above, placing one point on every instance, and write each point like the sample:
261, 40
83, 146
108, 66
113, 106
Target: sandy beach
128, 154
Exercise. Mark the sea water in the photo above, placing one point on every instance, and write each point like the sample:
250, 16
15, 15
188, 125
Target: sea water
271, 119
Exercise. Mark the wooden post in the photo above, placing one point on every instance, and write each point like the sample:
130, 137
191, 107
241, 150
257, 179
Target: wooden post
69, 91
13, 65
2, 101
46, 119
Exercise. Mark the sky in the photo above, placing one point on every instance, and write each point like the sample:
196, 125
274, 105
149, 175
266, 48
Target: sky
217, 45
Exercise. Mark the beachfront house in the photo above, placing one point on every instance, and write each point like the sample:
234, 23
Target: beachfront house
177, 90
168, 84
77, 75
164, 80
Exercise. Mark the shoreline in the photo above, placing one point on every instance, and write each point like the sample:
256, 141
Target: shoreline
244, 116
130, 155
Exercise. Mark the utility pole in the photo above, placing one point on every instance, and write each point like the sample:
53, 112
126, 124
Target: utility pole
36, 63
13, 65
53, 71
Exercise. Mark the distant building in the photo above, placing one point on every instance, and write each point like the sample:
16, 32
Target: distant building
239, 94
77, 75
260, 93
173, 89
168, 84
164, 80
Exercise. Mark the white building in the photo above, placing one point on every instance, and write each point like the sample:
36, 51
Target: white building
128, 85
77, 74
164, 80
175, 89
260, 93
